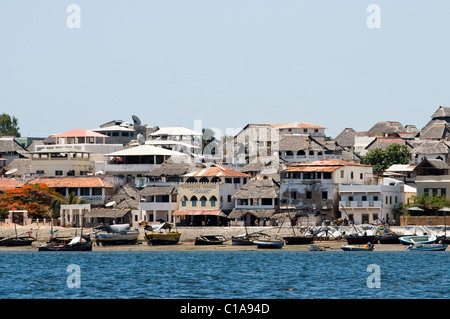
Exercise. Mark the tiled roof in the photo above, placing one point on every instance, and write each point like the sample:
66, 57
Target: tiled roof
54, 182
80, 133
217, 170
8, 183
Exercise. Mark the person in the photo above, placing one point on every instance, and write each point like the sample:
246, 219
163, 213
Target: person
429, 221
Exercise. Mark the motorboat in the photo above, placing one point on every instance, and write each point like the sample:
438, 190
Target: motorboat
426, 247
425, 239
120, 234
161, 234
210, 240
366, 247
78, 243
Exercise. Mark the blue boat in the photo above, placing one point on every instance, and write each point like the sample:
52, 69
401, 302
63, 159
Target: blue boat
426, 239
426, 247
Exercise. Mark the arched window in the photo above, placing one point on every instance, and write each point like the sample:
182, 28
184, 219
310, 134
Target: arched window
203, 201
204, 180
301, 152
183, 201
215, 180
289, 153
213, 201
194, 201
191, 180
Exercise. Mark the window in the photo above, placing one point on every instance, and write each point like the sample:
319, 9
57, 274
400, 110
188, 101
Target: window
364, 198
327, 175
191, 180
443, 191
342, 174
183, 201
213, 201
308, 194
350, 198
324, 195
361, 176
237, 180
293, 195
84, 191
194, 201
228, 180
375, 198
40, 172
301, 153
125, 134
229, 198
97, 191
311, 153
203, 201
266, 201
351, 175
289, 153
204, 180
374, 217
58, 173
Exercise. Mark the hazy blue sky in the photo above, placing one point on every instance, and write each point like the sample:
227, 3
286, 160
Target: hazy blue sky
227, 63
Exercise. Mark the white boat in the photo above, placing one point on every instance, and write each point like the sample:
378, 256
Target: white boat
425, 239
366, 247
121, 234
426, 247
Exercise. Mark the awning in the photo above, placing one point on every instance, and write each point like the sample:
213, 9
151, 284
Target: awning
199, 212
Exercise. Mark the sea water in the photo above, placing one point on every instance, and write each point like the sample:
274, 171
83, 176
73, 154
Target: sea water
236, 274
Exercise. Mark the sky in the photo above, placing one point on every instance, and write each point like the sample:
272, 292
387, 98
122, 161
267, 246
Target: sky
224, 63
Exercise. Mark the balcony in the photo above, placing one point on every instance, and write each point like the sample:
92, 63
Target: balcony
360, 204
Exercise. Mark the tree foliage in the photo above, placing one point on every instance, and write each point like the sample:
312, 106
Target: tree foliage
430, 204
383, 159
8, 125
37, 199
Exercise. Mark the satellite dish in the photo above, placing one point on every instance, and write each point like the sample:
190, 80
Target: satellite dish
141, 139
110, 204
136, 120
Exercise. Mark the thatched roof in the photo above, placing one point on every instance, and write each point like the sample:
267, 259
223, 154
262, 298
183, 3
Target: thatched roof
259, 213
431, 147
107, 212
297, 142
126, 198
22, 166
442, 111
259, 187
347, 137
9, 145
383, 142
435, 129
158, 190
387, 128
173, 169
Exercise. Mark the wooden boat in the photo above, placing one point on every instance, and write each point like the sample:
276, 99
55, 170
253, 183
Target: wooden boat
17, 241
425, 239
268, 243
210, 240
389, 239
426, 247
154, 234
76, 244
315, 248
366, 247
248, 239
356, 239
298, 240
115, 234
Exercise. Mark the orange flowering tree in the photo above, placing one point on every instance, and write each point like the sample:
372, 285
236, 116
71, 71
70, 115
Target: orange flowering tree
35, 198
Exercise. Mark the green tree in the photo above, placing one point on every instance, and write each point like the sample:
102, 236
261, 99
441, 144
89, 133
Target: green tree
382, 159
8, 125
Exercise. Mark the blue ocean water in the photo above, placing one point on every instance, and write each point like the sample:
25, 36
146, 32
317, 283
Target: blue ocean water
236, 274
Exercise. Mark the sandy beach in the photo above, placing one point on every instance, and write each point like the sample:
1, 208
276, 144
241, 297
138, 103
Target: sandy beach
186, 242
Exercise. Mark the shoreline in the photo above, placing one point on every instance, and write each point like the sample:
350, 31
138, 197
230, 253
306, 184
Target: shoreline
187, 240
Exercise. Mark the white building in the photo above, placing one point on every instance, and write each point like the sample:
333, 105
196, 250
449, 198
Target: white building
365, 204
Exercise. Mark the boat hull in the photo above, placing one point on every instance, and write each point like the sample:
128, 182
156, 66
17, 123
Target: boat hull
210, 240
53, 247
389, 239
20, 241
411, 240
269, 244
360, 240
356, 248
427, 247
117, 238
298, 240
237, 241
162, 239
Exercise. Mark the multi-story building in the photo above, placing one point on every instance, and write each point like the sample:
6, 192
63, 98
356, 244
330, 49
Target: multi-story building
313, 187
205, 196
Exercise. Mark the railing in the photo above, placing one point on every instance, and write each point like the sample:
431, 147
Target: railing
360, 204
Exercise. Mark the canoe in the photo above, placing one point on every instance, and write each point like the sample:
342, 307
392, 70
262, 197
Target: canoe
426, 239
298, 240
426, 247
367, 247
210, 240
361, 239
17, 241
269, 243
